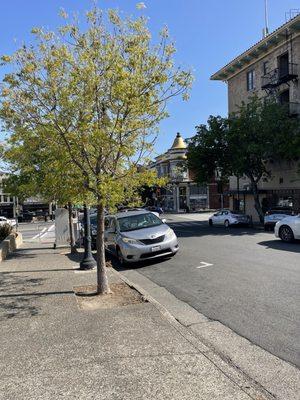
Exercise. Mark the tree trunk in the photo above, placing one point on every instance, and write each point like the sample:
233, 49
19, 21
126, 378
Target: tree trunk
71, 229
102, 281
257, 204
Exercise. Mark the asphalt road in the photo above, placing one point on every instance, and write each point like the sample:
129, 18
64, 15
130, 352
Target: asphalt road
39, 231
245, 278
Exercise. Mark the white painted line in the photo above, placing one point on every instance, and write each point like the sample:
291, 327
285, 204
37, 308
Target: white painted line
204, 265
51, 228
40, 233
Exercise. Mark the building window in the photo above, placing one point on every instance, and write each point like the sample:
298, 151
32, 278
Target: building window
284, 97
251, 80
265, 67
283, 65
197, 190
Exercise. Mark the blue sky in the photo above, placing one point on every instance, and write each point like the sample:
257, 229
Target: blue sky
207, 34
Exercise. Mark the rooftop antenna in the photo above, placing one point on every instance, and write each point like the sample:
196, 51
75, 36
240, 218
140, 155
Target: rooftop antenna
266, 28
291, 14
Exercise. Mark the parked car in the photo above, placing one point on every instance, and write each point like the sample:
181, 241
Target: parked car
274, 215
228, 218
4, 220
288, 229
134, 236
26, 216
126, 209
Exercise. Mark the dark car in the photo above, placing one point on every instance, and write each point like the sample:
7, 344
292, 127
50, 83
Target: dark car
276, 214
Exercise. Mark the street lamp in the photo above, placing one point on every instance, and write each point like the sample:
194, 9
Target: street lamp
88, 261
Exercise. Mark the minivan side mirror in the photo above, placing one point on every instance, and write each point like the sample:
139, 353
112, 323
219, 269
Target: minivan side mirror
163, 220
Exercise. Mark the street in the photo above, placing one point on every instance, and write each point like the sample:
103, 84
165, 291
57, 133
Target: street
37, 232
244, 278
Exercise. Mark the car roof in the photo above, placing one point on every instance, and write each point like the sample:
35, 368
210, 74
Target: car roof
128, 214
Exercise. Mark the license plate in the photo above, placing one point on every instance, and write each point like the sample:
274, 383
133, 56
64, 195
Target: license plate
155, 248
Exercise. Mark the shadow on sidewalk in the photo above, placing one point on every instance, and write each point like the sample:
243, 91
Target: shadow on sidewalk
38, 270
39, 294
17, 305
77, 257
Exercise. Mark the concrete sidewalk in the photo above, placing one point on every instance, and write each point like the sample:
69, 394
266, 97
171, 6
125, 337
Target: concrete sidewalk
51, 349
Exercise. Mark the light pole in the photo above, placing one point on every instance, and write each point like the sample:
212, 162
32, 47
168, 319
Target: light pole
88, 261
16, 211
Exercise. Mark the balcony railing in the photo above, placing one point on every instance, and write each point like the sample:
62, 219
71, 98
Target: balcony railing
280, 75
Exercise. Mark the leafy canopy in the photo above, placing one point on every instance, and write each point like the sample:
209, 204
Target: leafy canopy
244, 143
93, 98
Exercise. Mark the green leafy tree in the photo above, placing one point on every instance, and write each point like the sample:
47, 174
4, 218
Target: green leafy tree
37, 170
245, 143
99, 95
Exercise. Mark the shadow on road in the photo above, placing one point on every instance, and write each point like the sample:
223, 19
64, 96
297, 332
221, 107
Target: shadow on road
201, 228
117, 266
280, 245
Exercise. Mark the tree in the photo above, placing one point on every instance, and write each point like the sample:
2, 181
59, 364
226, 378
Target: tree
99, 95
39, 171
244, 144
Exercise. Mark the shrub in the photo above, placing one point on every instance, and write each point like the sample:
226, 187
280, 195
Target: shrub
5, 230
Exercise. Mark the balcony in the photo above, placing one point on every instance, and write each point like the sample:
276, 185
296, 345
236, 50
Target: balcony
287, 72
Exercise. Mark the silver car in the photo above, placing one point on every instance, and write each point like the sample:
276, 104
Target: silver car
228, 218
138, 235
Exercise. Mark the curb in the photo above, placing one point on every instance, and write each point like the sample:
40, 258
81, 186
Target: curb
252, 388
260, 374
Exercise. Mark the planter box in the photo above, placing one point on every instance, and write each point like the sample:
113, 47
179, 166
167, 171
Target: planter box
9, 244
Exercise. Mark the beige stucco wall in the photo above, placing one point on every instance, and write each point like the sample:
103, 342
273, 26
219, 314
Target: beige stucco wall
284, 175
237, 85
249, 205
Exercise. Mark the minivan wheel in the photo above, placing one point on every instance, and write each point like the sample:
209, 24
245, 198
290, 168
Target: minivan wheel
210, 222
286, 234
226, 223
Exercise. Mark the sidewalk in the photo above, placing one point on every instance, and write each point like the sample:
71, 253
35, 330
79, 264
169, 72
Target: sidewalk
51, 349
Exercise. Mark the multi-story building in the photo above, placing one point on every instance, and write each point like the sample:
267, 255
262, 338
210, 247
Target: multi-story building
8, 203
10, 206
181, 191
271, 67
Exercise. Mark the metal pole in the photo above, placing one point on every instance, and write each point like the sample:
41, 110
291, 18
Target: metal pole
15, 211
222, 200
266, 18
88, 261
238, 191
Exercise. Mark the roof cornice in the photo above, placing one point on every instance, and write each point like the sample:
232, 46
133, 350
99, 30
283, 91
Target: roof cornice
259, 50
